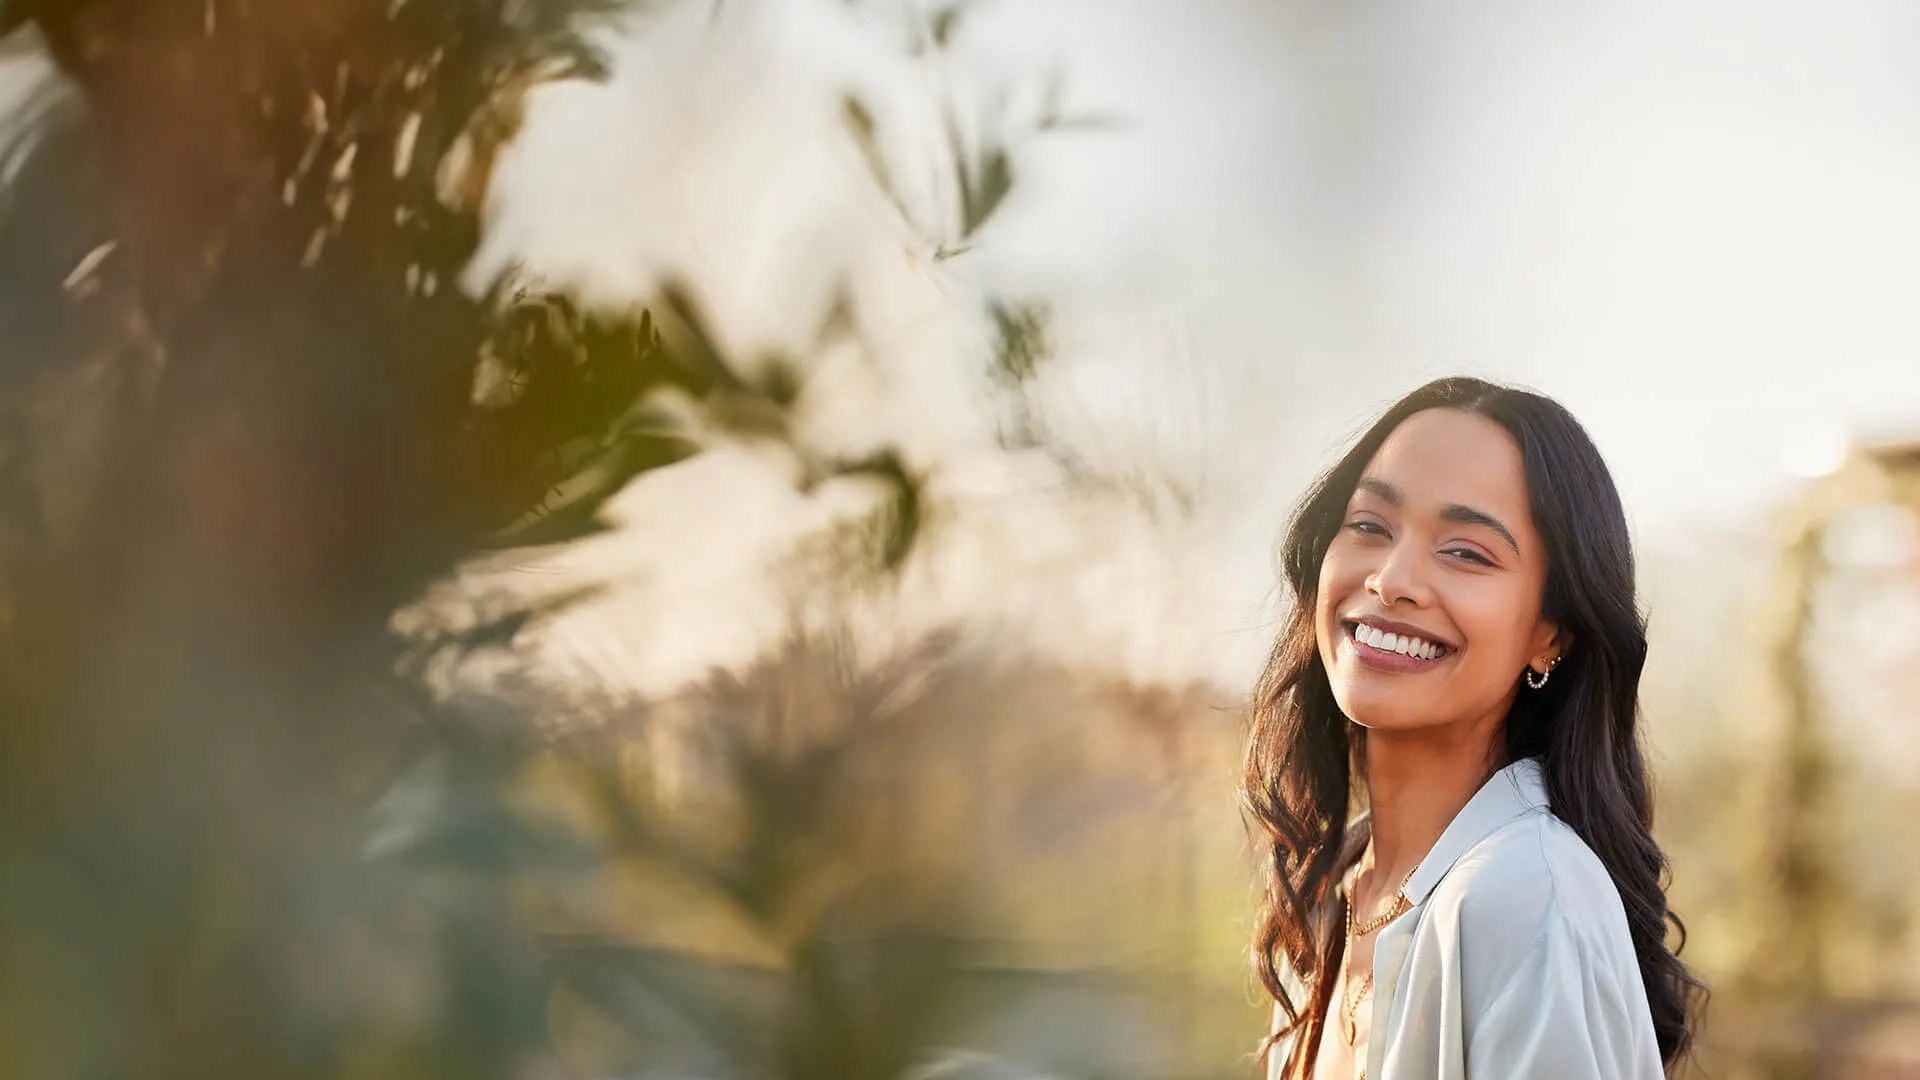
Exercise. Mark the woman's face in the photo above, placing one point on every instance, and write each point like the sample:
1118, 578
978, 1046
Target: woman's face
1429, 598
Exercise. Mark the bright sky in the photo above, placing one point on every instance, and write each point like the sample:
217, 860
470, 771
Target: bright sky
1696, 224
1697, 228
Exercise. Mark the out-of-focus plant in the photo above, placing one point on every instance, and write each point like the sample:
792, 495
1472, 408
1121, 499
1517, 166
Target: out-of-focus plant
798, 808
239, 428
800, 862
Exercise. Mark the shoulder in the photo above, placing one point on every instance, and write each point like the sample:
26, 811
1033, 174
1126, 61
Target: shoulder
1532, 867
1529, 881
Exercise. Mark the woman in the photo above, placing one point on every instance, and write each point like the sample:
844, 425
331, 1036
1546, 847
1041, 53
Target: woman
1463, 658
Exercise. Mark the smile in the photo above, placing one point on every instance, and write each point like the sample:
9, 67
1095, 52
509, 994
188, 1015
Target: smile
1378, 648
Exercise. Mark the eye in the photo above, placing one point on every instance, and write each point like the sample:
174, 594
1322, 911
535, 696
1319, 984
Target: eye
1366, 528
1468, 555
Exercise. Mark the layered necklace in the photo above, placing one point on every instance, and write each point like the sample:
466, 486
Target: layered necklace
1352, 997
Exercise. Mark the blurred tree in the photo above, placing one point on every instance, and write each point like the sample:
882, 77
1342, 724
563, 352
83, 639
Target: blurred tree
238, 428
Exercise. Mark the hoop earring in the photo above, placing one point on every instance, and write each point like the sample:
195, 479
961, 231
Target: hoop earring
1544, 675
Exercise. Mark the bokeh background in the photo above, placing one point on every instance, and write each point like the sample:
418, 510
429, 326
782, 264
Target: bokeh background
569, 538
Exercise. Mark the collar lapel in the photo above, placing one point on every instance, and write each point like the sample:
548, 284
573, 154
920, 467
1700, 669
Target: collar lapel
1513, 791
1389, 957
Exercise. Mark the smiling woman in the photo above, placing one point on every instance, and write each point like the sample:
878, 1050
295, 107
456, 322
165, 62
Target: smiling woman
1498, 909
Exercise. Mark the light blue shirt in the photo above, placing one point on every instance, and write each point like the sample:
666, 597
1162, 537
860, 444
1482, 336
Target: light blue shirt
1515, 960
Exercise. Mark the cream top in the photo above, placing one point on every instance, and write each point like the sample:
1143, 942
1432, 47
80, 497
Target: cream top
1514, 961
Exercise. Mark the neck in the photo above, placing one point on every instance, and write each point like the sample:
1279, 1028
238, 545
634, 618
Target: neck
1415, 787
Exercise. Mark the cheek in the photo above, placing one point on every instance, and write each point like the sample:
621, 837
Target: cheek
1324, 597
1496, 621
1336, 584
1341, 571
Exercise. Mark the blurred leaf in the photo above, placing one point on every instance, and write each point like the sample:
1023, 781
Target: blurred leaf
902, 525
866, 138
983, 188
1020, 340
945, 21
778, 381
697, 357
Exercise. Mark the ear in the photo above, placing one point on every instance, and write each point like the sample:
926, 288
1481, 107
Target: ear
1550, 645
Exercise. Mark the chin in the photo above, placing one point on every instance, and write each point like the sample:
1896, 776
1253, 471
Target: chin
1389, 718
1393, 710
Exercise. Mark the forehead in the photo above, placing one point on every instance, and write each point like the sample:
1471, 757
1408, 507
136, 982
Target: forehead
1442, 457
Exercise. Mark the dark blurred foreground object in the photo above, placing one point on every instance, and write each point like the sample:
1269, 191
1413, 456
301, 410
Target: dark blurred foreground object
237, 386
238, 430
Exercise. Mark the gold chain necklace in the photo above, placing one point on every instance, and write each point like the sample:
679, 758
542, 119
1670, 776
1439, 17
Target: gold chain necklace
1350, 1008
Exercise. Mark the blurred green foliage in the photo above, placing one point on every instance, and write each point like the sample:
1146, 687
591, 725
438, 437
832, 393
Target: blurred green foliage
238, 430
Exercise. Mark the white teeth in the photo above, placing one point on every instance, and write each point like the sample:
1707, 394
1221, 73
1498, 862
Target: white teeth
1404, 644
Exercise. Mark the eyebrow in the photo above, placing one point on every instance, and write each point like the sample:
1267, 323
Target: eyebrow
1454, 512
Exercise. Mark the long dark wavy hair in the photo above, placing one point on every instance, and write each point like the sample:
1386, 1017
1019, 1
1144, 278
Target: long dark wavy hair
1300, 763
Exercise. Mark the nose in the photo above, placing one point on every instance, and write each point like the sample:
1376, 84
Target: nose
1400, 577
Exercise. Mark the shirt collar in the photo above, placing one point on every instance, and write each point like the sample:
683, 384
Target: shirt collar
1515, 790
